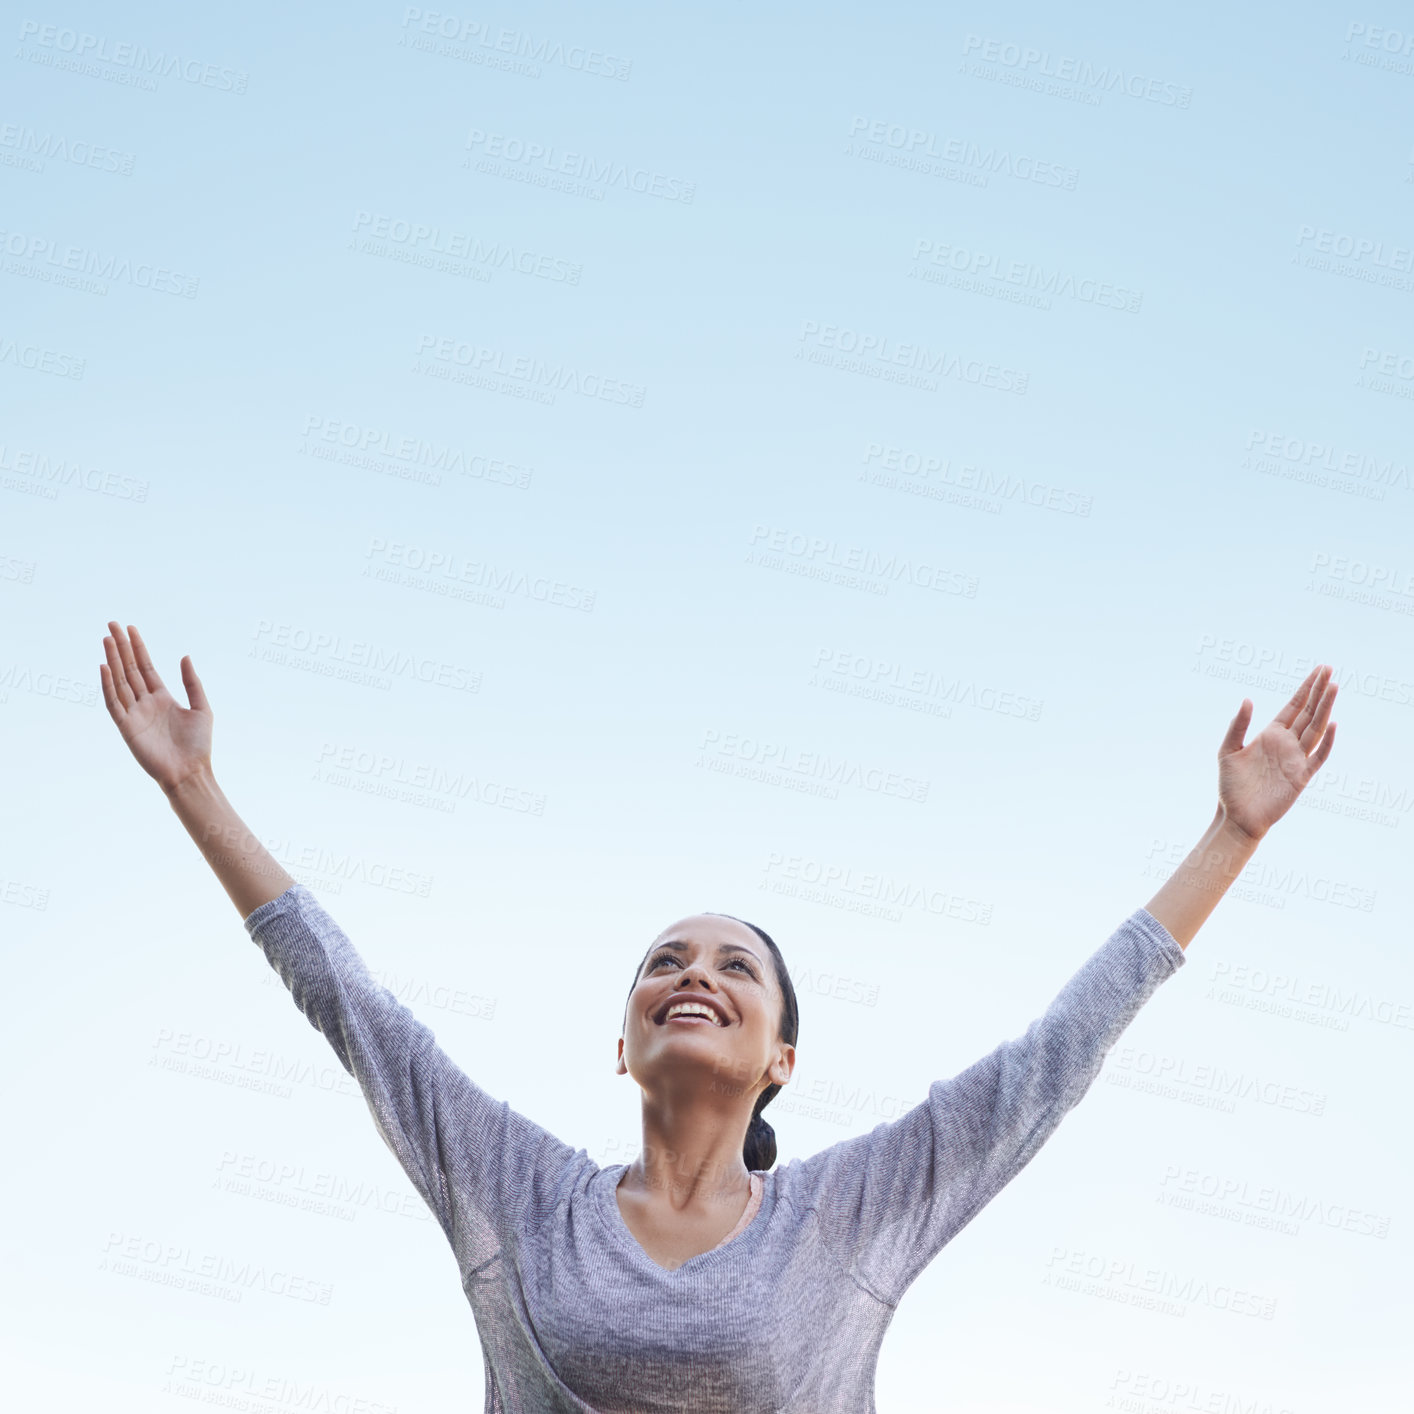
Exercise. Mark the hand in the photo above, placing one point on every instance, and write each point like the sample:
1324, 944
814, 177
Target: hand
1258, 783
170, 742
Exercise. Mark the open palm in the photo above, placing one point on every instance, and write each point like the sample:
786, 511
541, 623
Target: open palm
169, 741
1258, 783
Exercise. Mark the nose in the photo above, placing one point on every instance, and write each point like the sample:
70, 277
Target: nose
694, 972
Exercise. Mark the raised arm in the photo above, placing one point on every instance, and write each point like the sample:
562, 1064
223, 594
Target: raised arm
172, 744
478, 1164
888, 1201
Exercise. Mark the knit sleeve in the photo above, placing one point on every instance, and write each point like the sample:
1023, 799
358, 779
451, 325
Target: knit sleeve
888, 1201
476, 1162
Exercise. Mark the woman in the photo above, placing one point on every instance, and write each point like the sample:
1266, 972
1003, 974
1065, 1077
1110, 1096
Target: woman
700, 1277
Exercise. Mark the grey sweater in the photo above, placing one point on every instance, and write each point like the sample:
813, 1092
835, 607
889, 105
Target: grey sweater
787, 1316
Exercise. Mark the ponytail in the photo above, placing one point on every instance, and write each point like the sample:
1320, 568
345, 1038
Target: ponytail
759, 1151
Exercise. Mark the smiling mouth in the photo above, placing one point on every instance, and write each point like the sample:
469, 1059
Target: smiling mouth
685, 1011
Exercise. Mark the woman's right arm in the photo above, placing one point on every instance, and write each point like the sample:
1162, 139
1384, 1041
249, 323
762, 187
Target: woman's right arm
475, 1161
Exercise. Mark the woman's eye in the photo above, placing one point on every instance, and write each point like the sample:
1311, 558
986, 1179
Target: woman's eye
668, 957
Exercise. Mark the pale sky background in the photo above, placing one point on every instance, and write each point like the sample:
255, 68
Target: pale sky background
826, 472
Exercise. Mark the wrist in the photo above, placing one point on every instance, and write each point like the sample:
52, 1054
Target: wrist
199, 783
1228, 830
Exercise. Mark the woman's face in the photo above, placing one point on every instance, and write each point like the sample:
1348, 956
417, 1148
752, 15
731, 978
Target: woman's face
722, 967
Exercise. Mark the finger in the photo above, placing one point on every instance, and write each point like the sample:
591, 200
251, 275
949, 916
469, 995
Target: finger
1311, 733
1287, 715
192, 683
120, 678
144, 662
1308, 708
115, 708
125, 650
1237, 729
1323, 750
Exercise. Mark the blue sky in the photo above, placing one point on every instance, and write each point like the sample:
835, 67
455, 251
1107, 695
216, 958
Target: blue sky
606, 465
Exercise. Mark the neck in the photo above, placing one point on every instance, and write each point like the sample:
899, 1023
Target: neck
691, 1156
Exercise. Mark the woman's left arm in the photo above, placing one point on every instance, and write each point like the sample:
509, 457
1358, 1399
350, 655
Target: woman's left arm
888, 1201
1257, 784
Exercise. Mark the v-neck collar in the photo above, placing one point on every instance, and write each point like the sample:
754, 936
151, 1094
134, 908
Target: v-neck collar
605, 1188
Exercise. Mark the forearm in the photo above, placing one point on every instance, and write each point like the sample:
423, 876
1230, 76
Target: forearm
247, 870
1184, 903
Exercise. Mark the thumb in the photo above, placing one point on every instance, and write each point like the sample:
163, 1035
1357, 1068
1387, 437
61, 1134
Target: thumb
1238, 729
192, 683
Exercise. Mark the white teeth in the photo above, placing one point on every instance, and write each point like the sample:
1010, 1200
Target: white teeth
692, 1009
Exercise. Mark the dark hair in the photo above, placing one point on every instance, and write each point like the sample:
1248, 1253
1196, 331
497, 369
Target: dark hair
759, 1150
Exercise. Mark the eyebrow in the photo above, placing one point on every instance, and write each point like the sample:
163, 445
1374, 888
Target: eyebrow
677, 945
